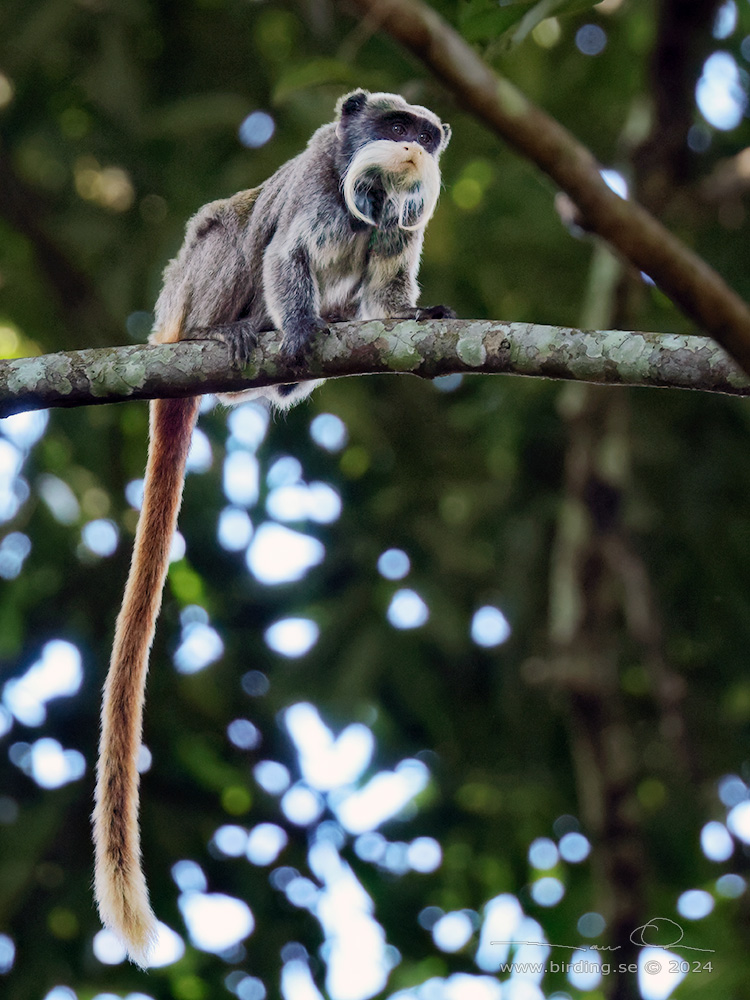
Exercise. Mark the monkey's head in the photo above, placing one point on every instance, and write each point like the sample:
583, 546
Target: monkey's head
389, 153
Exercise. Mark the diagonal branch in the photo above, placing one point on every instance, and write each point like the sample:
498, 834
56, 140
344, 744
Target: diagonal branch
426, 349
681, 274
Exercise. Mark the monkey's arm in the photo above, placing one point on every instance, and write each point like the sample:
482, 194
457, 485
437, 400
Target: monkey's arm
292, 296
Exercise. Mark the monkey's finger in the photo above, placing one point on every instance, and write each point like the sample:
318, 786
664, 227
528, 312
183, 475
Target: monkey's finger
436, 312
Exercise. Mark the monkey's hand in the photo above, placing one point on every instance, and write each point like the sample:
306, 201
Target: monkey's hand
298, 337
435, 312
425, 312
241, 338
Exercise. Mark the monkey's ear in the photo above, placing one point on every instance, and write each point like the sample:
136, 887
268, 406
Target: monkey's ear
447, 133
351, 104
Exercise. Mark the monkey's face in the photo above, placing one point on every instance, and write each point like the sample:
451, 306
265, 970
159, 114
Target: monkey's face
391, 150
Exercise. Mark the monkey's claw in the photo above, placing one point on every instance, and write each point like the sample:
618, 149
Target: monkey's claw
241, 340
241, 343
297, 343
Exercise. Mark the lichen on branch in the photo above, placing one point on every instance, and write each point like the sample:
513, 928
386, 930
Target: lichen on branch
426, 349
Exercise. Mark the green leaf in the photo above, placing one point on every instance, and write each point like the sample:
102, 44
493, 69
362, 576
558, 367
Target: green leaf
567, 7
484, 22
489, 23
313, 74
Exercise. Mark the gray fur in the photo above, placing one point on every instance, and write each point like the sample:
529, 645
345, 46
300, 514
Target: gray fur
290, 255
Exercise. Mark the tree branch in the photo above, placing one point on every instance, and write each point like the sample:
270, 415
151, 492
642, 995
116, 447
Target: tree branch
426, 349
681, 274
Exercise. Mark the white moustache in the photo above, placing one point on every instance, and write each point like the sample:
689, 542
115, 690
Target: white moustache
409, 174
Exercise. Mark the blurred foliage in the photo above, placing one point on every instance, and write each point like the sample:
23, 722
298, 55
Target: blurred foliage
117, 120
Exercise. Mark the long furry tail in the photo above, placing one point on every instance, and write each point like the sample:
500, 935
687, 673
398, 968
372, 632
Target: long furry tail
120, 885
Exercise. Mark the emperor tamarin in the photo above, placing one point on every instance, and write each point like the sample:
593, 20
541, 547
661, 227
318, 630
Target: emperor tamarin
335, 234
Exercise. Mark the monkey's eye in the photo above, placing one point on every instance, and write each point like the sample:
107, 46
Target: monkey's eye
425, 138
398, 128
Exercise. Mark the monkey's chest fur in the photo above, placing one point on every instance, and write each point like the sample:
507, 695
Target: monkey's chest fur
347, 259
